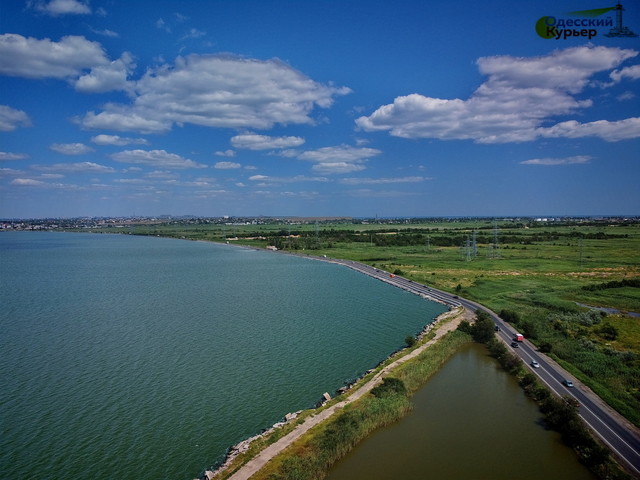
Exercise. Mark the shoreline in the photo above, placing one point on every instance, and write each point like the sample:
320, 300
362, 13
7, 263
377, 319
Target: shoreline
314, 417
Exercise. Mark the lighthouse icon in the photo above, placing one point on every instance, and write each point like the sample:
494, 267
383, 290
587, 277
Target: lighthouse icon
619, 30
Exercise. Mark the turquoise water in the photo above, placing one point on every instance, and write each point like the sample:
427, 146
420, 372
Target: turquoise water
145, 358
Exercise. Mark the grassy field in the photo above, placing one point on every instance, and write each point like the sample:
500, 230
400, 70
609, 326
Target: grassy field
539, 270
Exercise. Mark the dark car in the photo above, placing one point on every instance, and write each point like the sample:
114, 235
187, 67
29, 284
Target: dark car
515, 344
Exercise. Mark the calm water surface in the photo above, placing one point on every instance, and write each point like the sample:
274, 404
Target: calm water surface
145, 358
471, 421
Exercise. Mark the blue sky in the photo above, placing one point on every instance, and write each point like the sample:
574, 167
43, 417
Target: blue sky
316, 108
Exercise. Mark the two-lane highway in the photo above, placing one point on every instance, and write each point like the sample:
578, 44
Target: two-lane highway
621, 437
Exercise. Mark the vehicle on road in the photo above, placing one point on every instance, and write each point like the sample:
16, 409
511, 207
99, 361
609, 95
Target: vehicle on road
535, 364
497, 328
514, 344
567, 383
518, 337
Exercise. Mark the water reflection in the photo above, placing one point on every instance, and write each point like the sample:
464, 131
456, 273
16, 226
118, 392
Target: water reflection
471, 421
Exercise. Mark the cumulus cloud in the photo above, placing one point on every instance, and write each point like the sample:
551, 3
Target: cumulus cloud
217, 91
71, 148
79, 167
32, 58
578, 159
338, 159
519, 94
155, 158
110, 77
61, 7
227, 165
608, 131
103, 139
632, 73
10, 119
252, 141
13, 156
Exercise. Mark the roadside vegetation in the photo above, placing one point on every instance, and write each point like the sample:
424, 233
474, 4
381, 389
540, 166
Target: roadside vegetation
543, 271
560, 414
311, 456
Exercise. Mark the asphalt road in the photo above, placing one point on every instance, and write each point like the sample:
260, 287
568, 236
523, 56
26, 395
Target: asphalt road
614, 431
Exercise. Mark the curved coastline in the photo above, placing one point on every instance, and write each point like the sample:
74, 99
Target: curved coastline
244, 468
296, 424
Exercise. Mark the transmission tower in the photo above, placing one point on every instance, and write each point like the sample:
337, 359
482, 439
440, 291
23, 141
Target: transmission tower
474, 244
494, 249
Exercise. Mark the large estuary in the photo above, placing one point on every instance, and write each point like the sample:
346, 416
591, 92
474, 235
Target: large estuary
145, 358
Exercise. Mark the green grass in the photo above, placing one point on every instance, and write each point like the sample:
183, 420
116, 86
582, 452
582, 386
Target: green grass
311, 456
540, 271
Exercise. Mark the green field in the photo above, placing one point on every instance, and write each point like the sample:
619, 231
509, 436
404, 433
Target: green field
538, 270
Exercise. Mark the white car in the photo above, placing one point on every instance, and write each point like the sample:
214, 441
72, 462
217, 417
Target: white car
535, 364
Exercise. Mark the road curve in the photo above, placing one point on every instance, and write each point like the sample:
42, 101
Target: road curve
622, 437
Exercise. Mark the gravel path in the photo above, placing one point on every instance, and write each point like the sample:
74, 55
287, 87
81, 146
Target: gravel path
255, 464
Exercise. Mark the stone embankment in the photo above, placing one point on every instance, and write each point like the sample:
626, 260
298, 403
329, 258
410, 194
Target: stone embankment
452, 319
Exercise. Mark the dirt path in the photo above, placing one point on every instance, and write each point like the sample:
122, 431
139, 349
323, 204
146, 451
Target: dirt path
447, 322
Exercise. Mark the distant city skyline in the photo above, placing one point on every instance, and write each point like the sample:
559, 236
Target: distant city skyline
324, 108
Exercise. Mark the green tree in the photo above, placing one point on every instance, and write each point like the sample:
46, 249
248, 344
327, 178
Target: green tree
410, 340
483, 329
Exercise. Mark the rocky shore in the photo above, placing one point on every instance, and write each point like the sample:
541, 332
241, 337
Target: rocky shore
236, 450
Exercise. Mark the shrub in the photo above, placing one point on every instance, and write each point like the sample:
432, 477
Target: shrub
389, 386
410, 340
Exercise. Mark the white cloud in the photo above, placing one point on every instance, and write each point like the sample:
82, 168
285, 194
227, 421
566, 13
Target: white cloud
227, 165
10, 119
217, 91
29, 182
343, 153
608, 131
155, 158
79, 167
226, 153
193, 33
624, 96
10, 171
32, 58
61, 7
382, 181
110, 77
118, 119
71, 148
338, 159
106, 33
162, 25
103, 139
331, 168
519, 94
632, 72
13, 156
265, 179
578, 159
162, 174
252, 141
